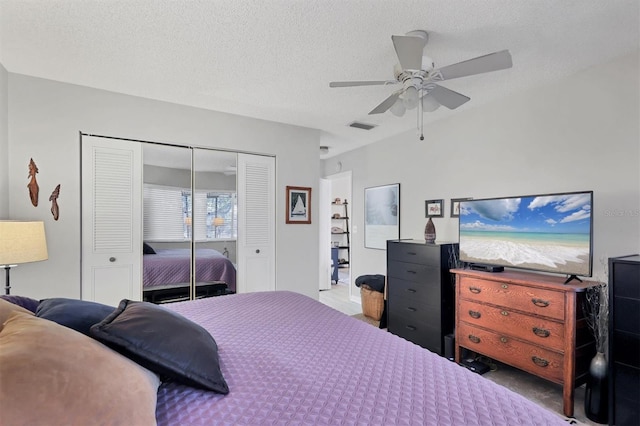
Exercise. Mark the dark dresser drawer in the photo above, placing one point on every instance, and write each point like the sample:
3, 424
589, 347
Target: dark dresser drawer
419, 332
626, 347
625, 398
415, 310
412, 271
421, 253
626, 314
414, 291
627, 280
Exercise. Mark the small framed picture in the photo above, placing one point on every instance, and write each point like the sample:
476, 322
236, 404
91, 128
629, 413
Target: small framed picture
298, 205
455, 206
433, 208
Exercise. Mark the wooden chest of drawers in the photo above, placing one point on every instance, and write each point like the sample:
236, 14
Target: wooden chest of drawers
530, 321
420, 299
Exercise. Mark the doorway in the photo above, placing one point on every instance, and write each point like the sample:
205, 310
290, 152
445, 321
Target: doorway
338, 200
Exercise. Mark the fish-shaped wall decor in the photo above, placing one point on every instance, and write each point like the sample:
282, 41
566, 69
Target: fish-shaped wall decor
33, 183
55, 210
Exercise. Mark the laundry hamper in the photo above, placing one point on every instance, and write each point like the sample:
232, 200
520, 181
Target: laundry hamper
372, 302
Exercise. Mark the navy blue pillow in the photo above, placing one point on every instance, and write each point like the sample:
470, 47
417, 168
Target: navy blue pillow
164, 342
25, 302
147, 249
79, 315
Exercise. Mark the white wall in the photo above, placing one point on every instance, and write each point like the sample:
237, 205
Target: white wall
4, 143
581, 133
45, 120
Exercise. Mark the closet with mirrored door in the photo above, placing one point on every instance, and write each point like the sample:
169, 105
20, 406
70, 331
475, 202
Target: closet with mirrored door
165, 223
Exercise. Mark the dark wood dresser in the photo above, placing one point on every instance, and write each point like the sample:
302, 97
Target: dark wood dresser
530, 321
624, 340
420, 299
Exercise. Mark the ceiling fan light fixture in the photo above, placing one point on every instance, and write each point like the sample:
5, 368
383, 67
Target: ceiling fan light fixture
410, 97
429, 103
398, 109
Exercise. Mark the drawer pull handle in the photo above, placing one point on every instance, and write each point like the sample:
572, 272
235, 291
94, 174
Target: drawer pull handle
412, 272
410, 290
541, 332
504, 313
410, 327
474, 290
474, 339
539, 361
474, 314
505, 286
503, 339
540, 303
411, 309
412, 253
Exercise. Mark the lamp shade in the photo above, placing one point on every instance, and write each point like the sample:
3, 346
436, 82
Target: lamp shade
398, 109
429, 103
22, 242
218, 221
410, 97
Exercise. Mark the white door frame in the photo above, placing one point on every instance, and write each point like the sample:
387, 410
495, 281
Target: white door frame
111, 220
256, 242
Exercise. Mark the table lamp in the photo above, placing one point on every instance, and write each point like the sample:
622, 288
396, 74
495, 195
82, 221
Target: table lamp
21, 242
218, 221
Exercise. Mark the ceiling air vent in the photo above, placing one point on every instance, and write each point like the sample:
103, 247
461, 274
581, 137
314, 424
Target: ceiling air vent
363, 126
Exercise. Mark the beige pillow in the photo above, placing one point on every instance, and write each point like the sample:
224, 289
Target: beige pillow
8, 308
53, 375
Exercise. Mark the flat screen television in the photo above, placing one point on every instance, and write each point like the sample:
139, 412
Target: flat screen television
548, 233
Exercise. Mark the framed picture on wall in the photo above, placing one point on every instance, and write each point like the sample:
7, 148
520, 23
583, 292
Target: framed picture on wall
298, 205
381, 215
455, 206
433, 208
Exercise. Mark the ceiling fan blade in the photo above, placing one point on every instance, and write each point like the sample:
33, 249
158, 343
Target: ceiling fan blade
409, 50
448, 97
360, 83
491, 62
386, 104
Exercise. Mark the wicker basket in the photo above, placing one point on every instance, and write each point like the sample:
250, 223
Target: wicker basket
372, 302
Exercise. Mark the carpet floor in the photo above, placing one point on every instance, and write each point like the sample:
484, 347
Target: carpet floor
540, 391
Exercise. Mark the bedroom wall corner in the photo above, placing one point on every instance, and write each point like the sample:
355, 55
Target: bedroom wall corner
4, 143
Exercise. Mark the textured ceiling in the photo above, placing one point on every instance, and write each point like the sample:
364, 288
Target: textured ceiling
274, 59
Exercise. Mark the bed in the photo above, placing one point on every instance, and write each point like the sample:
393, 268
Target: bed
168, 269
288, 359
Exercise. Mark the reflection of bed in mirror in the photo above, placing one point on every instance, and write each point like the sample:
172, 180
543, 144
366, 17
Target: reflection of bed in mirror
166, 274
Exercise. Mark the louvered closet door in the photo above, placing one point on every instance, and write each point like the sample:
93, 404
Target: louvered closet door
256, 220
111, 220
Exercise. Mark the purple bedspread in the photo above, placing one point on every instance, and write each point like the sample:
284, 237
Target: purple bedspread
172, 266
289, 359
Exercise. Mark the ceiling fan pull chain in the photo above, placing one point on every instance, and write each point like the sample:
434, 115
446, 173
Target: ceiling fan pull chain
420, 114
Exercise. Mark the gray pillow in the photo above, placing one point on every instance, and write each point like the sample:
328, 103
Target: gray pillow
26, 302
164, 342
79, 315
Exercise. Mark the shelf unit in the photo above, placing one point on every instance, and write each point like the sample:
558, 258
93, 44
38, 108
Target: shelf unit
340, 219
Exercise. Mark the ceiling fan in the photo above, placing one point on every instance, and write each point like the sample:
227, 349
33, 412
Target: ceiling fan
419, 78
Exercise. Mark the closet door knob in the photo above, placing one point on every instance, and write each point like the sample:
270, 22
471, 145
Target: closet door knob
257, 250
112, 259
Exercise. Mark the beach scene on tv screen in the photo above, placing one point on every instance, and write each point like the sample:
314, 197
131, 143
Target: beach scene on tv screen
548, 233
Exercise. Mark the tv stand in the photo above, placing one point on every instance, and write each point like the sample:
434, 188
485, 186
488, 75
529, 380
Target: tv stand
571, 278
529, 321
